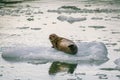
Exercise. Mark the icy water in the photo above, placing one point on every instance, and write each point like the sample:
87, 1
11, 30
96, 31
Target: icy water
25, 50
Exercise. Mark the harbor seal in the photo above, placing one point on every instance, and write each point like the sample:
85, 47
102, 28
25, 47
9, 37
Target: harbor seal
63, 44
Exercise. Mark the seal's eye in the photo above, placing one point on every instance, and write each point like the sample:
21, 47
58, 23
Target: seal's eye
53, 36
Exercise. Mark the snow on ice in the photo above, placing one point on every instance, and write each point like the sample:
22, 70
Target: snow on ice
88, 52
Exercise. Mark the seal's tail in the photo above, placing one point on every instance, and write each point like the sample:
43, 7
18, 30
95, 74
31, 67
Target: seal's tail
73, 48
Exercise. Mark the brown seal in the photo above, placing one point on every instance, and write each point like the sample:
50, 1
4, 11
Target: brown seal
63, 44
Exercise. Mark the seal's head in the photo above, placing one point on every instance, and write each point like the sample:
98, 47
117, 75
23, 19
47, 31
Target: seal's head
53, 37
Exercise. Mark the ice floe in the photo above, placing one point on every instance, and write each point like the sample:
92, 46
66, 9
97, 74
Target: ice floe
88, 53
117, 62
70, 19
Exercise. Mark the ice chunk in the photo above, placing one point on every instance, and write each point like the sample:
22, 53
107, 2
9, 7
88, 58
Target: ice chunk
71, 19
117, 62
88, 53
97, 50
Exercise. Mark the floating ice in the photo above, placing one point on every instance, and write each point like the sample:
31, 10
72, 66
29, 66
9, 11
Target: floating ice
88, 53
70, 19
117, 62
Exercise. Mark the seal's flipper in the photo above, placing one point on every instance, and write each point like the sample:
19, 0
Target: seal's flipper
73, 48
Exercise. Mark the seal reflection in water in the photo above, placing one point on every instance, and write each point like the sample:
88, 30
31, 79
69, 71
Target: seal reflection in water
57, 67
63, 44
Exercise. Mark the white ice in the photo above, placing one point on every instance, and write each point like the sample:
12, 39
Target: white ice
117, 62
88, 52
70, 19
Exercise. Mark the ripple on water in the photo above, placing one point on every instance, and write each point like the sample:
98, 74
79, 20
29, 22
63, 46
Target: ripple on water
74, 9
102, 76
22, 27
115, 32
116, 17
97, 18
117, 50
109, 69
113, 44
97, 27
118, 76
1, 75
35, 28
